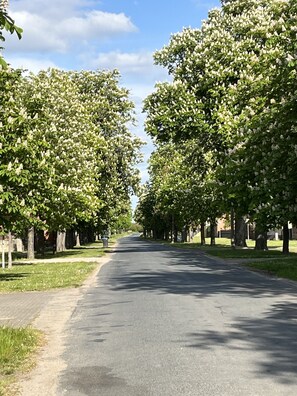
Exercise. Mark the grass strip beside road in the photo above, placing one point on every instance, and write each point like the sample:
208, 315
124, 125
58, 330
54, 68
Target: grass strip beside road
227, 252
274, 262
50, 274
16, 349
44, 276
282, 267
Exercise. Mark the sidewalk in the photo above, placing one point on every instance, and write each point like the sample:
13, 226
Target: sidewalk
20, 309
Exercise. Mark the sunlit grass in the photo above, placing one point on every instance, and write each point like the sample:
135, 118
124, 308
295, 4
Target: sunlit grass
274, 264
44, 276
283, 268
226, 242
16, 348
90, 250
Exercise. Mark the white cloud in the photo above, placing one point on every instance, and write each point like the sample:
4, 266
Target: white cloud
33, 65
52, 9
38, 35
55, 26
139, 62
96, 24
138, 68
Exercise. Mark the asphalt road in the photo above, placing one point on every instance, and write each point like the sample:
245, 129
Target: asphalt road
162, 321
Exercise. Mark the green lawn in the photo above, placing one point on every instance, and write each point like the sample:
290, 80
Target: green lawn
44, 276
91, 250
275, 262
16, 349
283, 268
224, 242
223, 249
51, 275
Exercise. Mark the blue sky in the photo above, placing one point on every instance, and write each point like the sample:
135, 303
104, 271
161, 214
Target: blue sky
107, 34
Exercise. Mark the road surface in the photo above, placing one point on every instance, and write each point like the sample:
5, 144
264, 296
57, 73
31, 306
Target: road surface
162, 321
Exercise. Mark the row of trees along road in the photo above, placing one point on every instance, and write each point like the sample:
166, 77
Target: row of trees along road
225, 126
68, 159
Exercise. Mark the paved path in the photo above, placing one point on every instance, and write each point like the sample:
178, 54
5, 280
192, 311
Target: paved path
166, 322
20, 309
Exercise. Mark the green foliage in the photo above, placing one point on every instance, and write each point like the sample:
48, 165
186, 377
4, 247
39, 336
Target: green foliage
135, 227
118, 153
8, 24
67, 157
233, 99
21, 151
69, 164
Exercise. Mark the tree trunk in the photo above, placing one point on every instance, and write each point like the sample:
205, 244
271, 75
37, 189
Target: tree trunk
166, 235
175, 234
30, 249
60, 244
190, 234
77, 239
9, 249
261, 239
40, 242
202, 226
240, 232
172, 229
232, 228
70, 239
286, 238
3, 251
184, 234
213, 233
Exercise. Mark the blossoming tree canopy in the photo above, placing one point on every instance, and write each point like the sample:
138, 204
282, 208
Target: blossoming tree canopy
233, 91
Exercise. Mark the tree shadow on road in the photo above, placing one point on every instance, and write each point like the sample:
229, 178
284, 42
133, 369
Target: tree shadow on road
274, 335
186, 273
272, 332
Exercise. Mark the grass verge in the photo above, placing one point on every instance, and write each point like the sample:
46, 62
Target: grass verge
282, 268
225, 251
275, 263
44, 276
91, 250
16, 349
